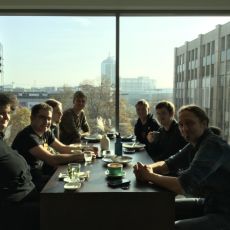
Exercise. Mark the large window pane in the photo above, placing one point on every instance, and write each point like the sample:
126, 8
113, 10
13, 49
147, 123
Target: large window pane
150, 62
52, 57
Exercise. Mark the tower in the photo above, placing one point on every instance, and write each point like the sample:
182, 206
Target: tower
108, 71
1, 67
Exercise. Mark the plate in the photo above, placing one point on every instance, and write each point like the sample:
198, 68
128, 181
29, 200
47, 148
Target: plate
68, 180
62, 175
117, 159
129, 151
72, 186
93, 139
135, 146
114, 176
127, 138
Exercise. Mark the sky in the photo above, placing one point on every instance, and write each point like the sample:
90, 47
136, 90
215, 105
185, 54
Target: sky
56, 51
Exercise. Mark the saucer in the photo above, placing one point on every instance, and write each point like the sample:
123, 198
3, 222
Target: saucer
129, 151
83, 175
114, 176
68, 180
72, 186
62, 175
117, 159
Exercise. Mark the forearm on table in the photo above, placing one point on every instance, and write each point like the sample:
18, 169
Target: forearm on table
159, 167
168, 182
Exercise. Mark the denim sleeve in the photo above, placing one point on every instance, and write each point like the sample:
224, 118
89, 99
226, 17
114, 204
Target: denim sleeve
207, 160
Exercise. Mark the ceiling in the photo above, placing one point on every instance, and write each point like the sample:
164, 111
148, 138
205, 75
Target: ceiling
117, 5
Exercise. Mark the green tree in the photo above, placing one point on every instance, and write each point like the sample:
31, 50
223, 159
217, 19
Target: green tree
65, 97
100, 104
127, 117
19, 120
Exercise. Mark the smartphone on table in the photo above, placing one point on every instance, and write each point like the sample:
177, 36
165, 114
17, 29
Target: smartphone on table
119, 183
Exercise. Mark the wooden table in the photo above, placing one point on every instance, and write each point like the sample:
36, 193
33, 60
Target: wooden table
97, 206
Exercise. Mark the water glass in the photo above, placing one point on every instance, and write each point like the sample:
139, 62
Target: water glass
73, 171
88, 155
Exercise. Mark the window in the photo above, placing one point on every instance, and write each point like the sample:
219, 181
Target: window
79, 52
223, 44
213, 47
208, 49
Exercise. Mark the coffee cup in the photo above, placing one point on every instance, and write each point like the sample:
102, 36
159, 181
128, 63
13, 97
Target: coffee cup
115, 169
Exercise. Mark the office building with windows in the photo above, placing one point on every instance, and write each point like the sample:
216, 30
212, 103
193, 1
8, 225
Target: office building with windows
202, 75
136, 88
1, 66
108, 71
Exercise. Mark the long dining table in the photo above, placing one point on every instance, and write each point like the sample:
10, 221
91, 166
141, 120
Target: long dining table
97, 206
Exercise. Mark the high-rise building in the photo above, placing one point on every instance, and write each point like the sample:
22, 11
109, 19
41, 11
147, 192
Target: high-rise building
1, 67
136, 88
108, 71
202, 75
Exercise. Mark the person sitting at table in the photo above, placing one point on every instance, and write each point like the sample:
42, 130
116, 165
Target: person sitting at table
33, 144
73, 124
56, 116
54, 127
206, 176
18, 196
168, 140
145, 122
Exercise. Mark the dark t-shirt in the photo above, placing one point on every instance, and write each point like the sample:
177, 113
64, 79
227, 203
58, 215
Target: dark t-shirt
71, 126
15, 178
141, 130
26, 140
55, 130
167, 143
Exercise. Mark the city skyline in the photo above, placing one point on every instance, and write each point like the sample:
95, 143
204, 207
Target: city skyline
56, 51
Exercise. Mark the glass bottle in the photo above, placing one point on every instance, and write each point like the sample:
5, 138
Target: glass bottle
105, 143
118, 145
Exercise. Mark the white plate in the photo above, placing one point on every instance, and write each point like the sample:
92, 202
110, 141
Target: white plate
83, 174
72, 186
136, 146
68, 180
93, 138
114, 176
62, 175
117, 159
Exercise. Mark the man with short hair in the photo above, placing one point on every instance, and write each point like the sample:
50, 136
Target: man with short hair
169, 139
18, 196
56, 116
33, 142
74, 125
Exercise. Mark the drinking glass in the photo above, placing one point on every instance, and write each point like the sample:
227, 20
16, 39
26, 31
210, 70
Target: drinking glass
73, 171
88, 155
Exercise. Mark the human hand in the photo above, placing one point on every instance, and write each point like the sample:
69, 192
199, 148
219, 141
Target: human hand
150, 137
141, 171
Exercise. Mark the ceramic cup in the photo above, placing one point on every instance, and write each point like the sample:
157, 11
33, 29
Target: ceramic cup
115, 168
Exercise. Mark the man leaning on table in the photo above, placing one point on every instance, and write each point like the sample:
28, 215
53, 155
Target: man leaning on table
33, 144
